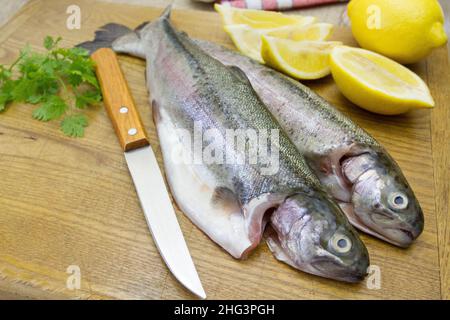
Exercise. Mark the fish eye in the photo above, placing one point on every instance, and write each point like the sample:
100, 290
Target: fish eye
398, 200
341, 243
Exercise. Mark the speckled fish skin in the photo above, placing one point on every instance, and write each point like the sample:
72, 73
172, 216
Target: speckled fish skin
231, 203
352, 166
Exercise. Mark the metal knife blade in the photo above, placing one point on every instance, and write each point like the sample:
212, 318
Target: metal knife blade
144, 169
161, 218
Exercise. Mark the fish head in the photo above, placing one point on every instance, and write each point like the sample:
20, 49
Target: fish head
383, 203
316, 237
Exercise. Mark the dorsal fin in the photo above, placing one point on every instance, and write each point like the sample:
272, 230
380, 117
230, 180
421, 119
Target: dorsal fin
166, 12
239, 73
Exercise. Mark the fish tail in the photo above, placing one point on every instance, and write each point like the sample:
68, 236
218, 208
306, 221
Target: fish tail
105, 36
121, 38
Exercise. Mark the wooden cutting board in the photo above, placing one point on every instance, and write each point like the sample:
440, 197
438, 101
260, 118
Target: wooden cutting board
70, 202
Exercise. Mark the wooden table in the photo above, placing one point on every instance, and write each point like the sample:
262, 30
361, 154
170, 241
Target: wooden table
69, 203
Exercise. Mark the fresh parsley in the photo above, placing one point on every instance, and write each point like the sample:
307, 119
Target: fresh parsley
61, 82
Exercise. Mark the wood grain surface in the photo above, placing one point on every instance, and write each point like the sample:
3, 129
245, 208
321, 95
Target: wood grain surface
68, 201
440, 136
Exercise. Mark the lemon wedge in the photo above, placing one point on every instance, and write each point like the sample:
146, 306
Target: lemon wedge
258, 19
376, 83
248, 40
315, 31
299, 59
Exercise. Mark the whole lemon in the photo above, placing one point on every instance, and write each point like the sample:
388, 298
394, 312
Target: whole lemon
403, 30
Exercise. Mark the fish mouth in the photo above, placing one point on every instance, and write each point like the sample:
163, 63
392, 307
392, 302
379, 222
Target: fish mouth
395, 232
402, 236
399, 236
336, 271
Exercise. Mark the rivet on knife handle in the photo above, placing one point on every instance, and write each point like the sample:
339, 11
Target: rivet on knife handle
118, 101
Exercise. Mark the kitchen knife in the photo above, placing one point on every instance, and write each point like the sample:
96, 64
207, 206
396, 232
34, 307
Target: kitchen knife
147, 177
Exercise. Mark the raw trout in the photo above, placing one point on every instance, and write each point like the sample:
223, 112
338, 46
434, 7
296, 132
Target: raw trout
232, 202
353, 167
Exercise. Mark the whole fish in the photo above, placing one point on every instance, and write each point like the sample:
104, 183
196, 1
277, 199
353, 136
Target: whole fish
355, 169
232, 202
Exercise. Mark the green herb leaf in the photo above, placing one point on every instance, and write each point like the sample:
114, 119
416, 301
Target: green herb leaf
5, 74
23, 89
4, 98
74, 125
60, 80
5, 94
51, 109
90, 97
50, 43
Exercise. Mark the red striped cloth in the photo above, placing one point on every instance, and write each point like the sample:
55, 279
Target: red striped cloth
276, 4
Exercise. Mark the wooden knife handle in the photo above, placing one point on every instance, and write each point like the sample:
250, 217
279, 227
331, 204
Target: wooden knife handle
118, 101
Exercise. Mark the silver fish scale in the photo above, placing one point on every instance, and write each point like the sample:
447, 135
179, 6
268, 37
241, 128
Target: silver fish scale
342, 128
